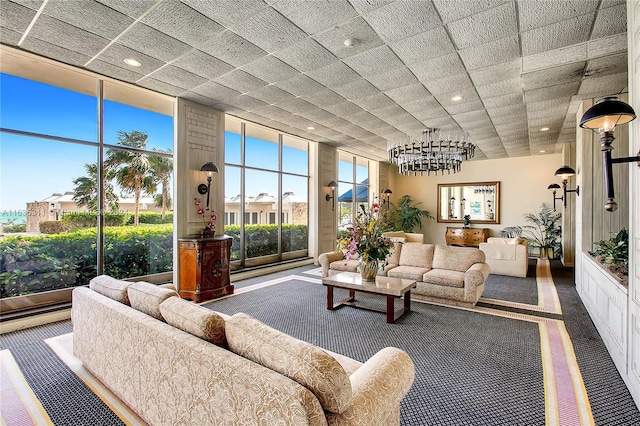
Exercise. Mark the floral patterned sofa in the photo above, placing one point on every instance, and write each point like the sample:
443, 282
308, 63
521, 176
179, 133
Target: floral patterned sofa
444, 274
174, 362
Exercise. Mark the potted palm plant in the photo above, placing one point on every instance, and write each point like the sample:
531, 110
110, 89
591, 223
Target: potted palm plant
544, 232
407, 216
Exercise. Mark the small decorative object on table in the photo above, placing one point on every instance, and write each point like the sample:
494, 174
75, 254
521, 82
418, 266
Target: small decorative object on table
466, 220
209, 229
364, 240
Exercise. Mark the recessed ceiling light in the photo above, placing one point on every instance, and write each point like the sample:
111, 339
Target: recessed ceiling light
544, 129
132, 62
456, 98
542, 151
311, 128
350, 42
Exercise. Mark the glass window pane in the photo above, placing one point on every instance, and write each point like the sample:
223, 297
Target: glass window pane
119, 118
345, 167
295, 155
232, 205
344, 205
59, 112
232, 145
295, 215
362, 170
261, 148
52, 250
261, 238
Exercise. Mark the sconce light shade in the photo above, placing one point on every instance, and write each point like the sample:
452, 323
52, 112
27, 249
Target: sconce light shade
333, 185
388, 192
553, 187
209, 168
607, 113
565, 172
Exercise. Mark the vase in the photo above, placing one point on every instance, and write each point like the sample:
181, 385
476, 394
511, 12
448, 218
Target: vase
368, 269
207, 233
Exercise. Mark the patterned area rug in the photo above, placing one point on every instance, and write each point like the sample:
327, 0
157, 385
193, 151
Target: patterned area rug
527, 354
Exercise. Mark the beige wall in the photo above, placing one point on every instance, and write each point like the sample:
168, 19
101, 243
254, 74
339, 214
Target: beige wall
523, 188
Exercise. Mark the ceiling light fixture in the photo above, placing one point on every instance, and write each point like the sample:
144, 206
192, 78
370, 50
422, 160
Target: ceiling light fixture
456, 98
432, 151
351, 42
310, 128
133, 62
544, 129
542, 151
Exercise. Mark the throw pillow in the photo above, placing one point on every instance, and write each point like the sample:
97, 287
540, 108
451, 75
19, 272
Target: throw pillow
112, 288
187, 316
146, 298
303, 362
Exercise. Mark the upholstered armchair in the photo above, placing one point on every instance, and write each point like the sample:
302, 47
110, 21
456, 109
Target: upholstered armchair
507, 256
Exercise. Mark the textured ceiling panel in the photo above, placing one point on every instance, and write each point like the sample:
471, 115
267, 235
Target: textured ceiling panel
517, 65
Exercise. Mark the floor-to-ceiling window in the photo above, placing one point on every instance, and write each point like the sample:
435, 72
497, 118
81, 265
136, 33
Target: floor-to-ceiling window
86, 177
353, 188
266, 194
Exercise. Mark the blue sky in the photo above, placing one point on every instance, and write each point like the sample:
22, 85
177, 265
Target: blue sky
32, 169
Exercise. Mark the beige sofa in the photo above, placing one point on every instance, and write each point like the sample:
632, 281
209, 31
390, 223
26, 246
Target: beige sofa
175, 363
507, 256
444, 274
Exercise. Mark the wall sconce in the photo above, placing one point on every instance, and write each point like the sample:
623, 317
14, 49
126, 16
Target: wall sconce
209, 169
385, 197
333, 186
602, 118
565, 172
553, 188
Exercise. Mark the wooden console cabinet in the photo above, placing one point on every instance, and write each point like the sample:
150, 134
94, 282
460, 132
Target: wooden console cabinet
204, 268
467, 237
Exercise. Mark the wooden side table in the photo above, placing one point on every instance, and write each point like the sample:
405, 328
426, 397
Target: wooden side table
204, 268
466, 237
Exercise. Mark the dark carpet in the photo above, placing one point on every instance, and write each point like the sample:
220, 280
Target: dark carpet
472, 368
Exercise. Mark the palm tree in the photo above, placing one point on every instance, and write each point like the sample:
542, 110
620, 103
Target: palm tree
161, 170
131, 168
85, 193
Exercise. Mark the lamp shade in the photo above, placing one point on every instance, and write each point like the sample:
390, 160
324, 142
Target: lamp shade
606, 114
387, 191
565, 172
209, 168
333, 184
553, 187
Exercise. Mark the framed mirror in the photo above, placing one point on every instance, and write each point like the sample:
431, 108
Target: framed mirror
479, 200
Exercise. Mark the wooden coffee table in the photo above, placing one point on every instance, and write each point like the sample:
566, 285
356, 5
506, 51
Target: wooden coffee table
392, 288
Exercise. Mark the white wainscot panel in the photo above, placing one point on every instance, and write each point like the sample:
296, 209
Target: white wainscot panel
633, 378
606, 302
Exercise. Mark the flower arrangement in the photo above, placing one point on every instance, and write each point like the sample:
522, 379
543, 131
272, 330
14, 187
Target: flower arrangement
213, 217
364, 238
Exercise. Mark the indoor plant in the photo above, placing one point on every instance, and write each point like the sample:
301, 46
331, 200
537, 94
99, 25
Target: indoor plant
613, 254
209, 229
407, 216
544, 233
364, 240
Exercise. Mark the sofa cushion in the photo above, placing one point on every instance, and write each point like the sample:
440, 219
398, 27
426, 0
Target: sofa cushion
394, 254
445, 278
146, 297
197, 320
112, 288
303, 362
407, 272
416, 254
345, 265
456, 258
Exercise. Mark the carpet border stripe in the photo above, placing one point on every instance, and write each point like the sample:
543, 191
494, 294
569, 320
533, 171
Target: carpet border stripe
15, 383
59, 345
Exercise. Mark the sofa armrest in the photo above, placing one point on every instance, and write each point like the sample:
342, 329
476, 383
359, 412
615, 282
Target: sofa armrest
325, 260
377, 388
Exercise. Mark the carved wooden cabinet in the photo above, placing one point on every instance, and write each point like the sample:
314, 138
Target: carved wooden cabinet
471, 237
204, 268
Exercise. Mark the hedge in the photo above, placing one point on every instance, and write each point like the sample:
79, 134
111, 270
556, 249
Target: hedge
262, 240
30, 264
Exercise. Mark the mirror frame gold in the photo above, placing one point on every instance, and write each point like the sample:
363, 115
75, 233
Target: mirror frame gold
496, 210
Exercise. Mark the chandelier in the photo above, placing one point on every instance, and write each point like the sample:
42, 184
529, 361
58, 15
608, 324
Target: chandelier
432, 151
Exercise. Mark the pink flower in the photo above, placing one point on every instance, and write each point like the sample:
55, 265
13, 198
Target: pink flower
197, 201
201, 212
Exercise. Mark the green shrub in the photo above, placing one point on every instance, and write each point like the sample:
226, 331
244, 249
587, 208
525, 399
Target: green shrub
90, 219
30, 264
152, 218
262, 240
11, 228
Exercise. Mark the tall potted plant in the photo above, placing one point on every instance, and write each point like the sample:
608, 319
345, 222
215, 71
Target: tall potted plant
544, 231
407, 216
